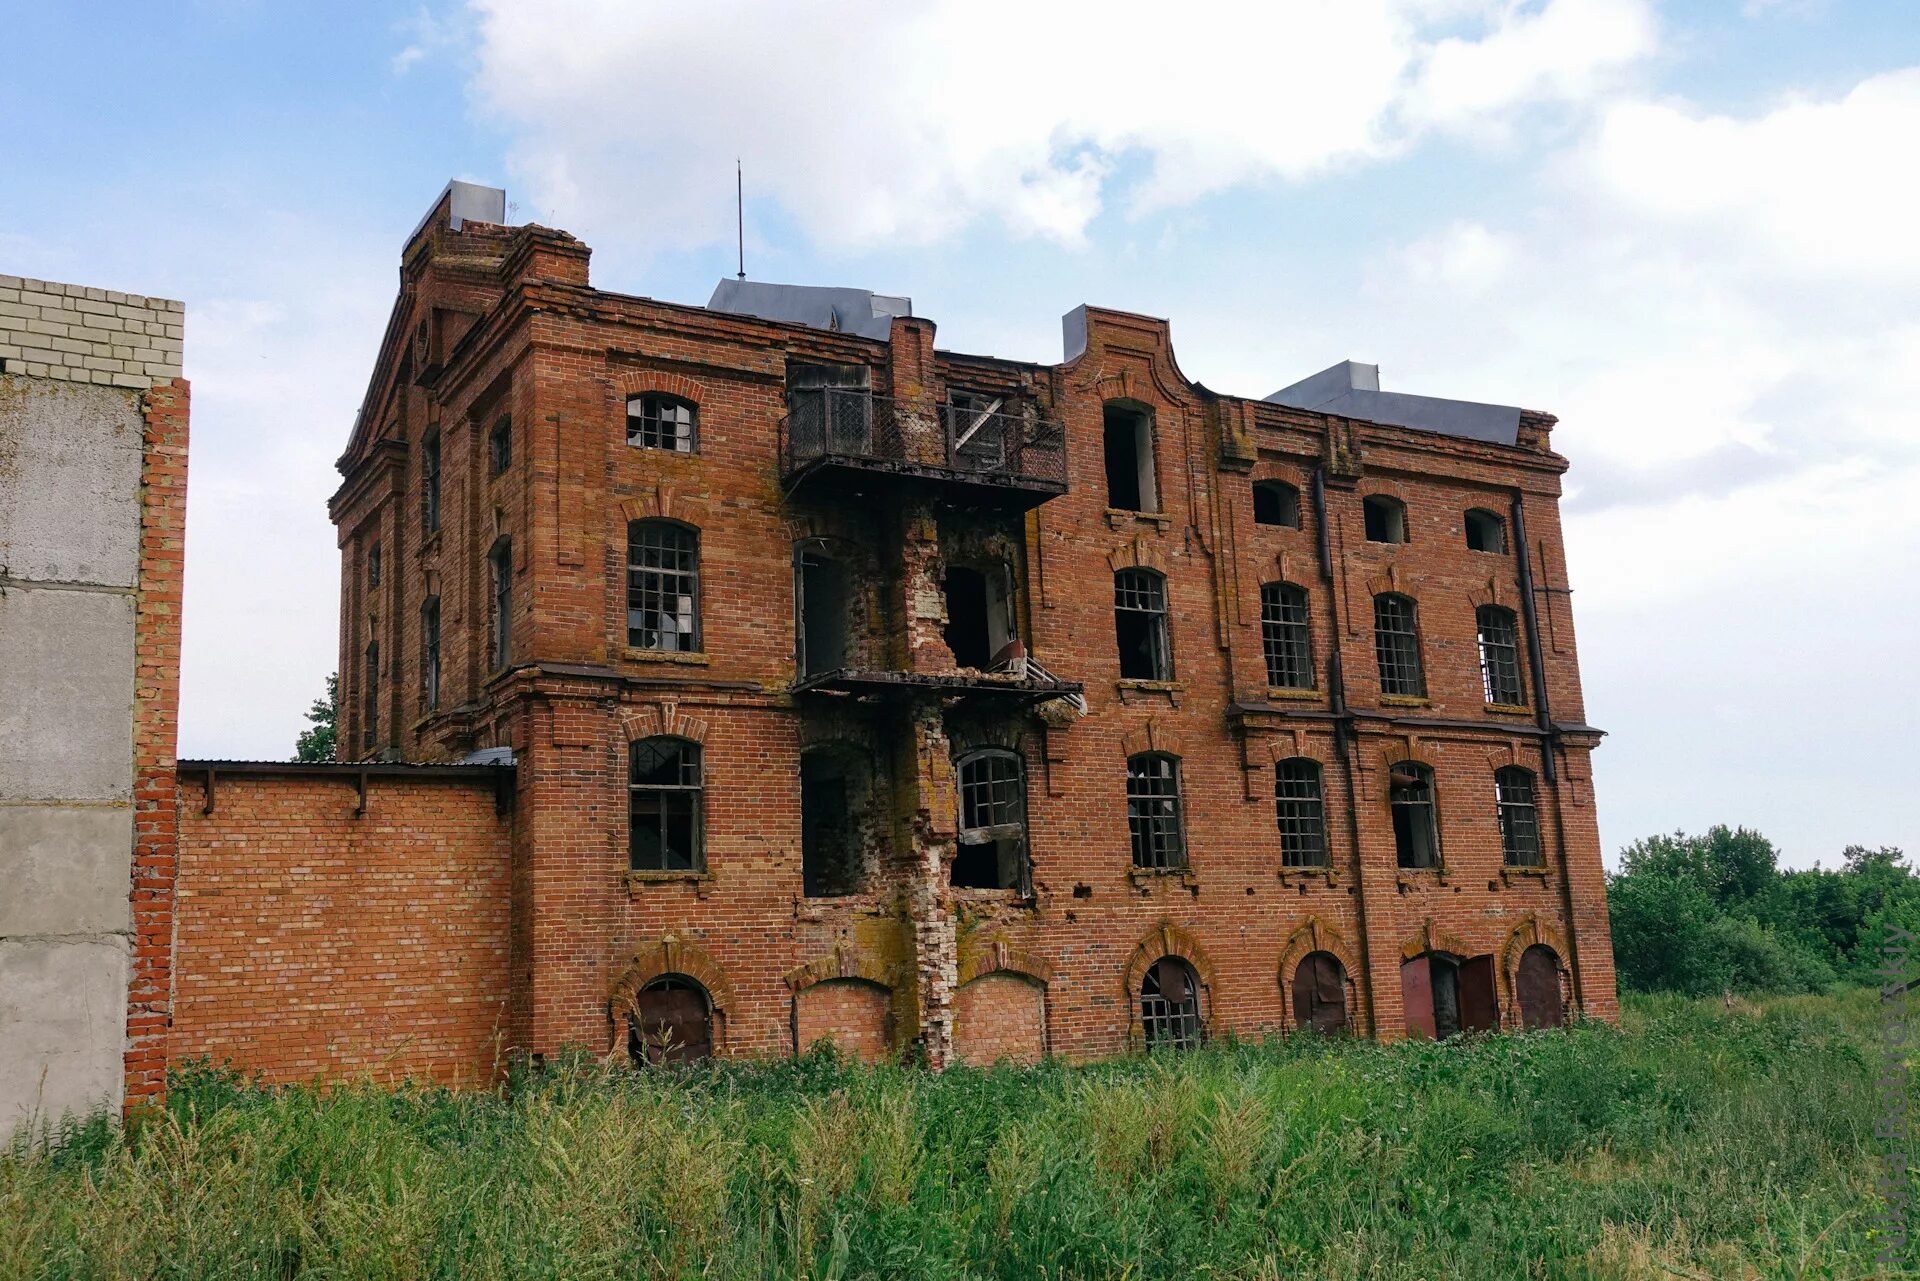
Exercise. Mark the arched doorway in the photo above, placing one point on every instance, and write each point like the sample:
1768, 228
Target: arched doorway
1170, 1006
1444, 995
1320, 994
1537, 984
672, 1022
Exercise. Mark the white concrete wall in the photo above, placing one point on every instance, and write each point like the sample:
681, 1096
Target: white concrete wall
74, 363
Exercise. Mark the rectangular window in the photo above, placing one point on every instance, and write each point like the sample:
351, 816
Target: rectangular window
1396, 644
370, 715
1519, 821
373, 564
1416, 839
1153, 812
1284, 636
500, 445
501, 561
664, 790
663, 586
1500, 657
1298, 807
430, 654
1140, 625
656, 421
430, 484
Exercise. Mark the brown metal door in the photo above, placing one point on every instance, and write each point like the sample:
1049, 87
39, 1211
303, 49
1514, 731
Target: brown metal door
1479, 1005
672, 1025
1539, 986
1416, 997
1320, 995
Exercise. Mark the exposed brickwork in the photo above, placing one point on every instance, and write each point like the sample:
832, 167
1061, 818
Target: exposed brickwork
856, 1015
999, 1017
86, 335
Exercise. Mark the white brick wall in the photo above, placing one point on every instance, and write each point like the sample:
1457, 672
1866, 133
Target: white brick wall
88, 335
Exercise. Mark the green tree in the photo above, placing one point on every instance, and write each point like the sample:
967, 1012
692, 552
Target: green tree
1734, 866
316, 742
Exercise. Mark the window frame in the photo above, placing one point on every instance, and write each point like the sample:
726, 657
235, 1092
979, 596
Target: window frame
1158, 841
1300, 813
1151, 586
1396, 649
430, 654
370, 700
375, 567
1427, 807
1015, 828
1500, 671
500, 446
669, 582
1519, 817
1283, 638
430, 483
1183, 1025
649, 409
500, 604
692, 754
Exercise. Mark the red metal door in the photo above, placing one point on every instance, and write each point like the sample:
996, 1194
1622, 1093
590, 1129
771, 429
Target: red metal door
1320, 994
1479, 1004
1416, 997
1539, 988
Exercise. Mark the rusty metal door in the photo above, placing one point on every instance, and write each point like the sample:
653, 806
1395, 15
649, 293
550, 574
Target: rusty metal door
1416, 997
1479, 1004
671, 1024
1539, 988
1320, 995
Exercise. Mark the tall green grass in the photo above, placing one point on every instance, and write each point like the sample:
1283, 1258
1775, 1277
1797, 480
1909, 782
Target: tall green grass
1694, 1142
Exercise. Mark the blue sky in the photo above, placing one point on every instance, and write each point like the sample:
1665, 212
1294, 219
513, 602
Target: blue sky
1685, 228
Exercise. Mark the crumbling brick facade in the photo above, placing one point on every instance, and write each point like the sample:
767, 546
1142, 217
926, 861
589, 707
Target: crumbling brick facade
524, 432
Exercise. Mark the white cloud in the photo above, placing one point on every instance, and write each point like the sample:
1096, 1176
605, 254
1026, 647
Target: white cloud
1565, 51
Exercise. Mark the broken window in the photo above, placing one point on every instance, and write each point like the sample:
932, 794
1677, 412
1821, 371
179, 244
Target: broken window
1396, 646
1386, 519
430, 484
1416, 841
1486, 532
1300, 812
430, 653
1284, 636
992, 853
664, 807
979, 614
370, 716
1537, 984
373, 564
1140, 625
659, 421
981, 434
1129, 455
500, 564
1170, 1006
663, 586
1320, 994
1444, 996
831, 803
1500, 656
824, 596
500, 445
1519, 821
1275, 502
672, 1022
1153, 811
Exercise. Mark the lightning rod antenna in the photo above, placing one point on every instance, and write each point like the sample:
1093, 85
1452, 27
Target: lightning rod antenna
740, 214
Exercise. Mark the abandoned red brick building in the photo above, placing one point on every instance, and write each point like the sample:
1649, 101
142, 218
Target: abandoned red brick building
940, 704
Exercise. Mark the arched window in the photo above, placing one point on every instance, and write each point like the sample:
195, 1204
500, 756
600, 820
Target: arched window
664, 789
672, 1022
1386, 518
1301, 813
1320, 994
1170, 1006
1486, 532
1519, 821
993, 821
1128, 446
1140, 625
1153, 811
663, 586
1275, 502
1416, 837
1500, 656
1285, 638
1396, 645
659, 421
1537, 983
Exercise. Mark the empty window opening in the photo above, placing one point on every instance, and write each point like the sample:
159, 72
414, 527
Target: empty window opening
1500, 656
656, 421
430, 653
371, 715
1170, 1006
672, 1022
1284, 636
500, 445
664, 789
663, 586
1275, 502
979, 615
500, 566
1537, 983
831, 806
992, 852
373, 565
1153, 811
1140, 625
1486, 532
1386, 519
1519, 820
1396, 646
1416, 840
1320, 994
430, 484
1129, 452
981, 434
1301, 813
824, 599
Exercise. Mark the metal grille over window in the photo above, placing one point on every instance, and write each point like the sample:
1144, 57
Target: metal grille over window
1519, 821
1140, 625
1500, 656
1153, 811
1170, 1006
660, 422
1284, 636
663, 565
1301, 813
1415, 838
1396, 644
663, 787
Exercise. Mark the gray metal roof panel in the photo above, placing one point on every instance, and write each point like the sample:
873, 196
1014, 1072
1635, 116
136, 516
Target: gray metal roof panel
860, 312
1352, 390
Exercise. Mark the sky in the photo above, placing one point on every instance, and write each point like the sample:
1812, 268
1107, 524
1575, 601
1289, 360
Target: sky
1688, 229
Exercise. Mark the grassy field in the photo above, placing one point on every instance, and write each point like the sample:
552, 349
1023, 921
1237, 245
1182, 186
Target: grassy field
1697, 1142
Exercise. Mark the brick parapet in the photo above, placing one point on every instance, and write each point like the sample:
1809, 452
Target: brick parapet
80, 334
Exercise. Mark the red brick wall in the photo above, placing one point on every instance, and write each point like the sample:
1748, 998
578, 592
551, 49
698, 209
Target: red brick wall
855, 1015
313, 942
999, 1017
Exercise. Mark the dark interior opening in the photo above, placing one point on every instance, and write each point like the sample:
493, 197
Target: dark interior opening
1386, 519
1485, 532
824, 595
829, 834
1276, 503
967, 611
1138, 635
1129, 455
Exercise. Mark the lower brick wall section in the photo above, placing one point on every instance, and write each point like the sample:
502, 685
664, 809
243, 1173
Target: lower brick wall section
999, 1017
856, 1015
311, 942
